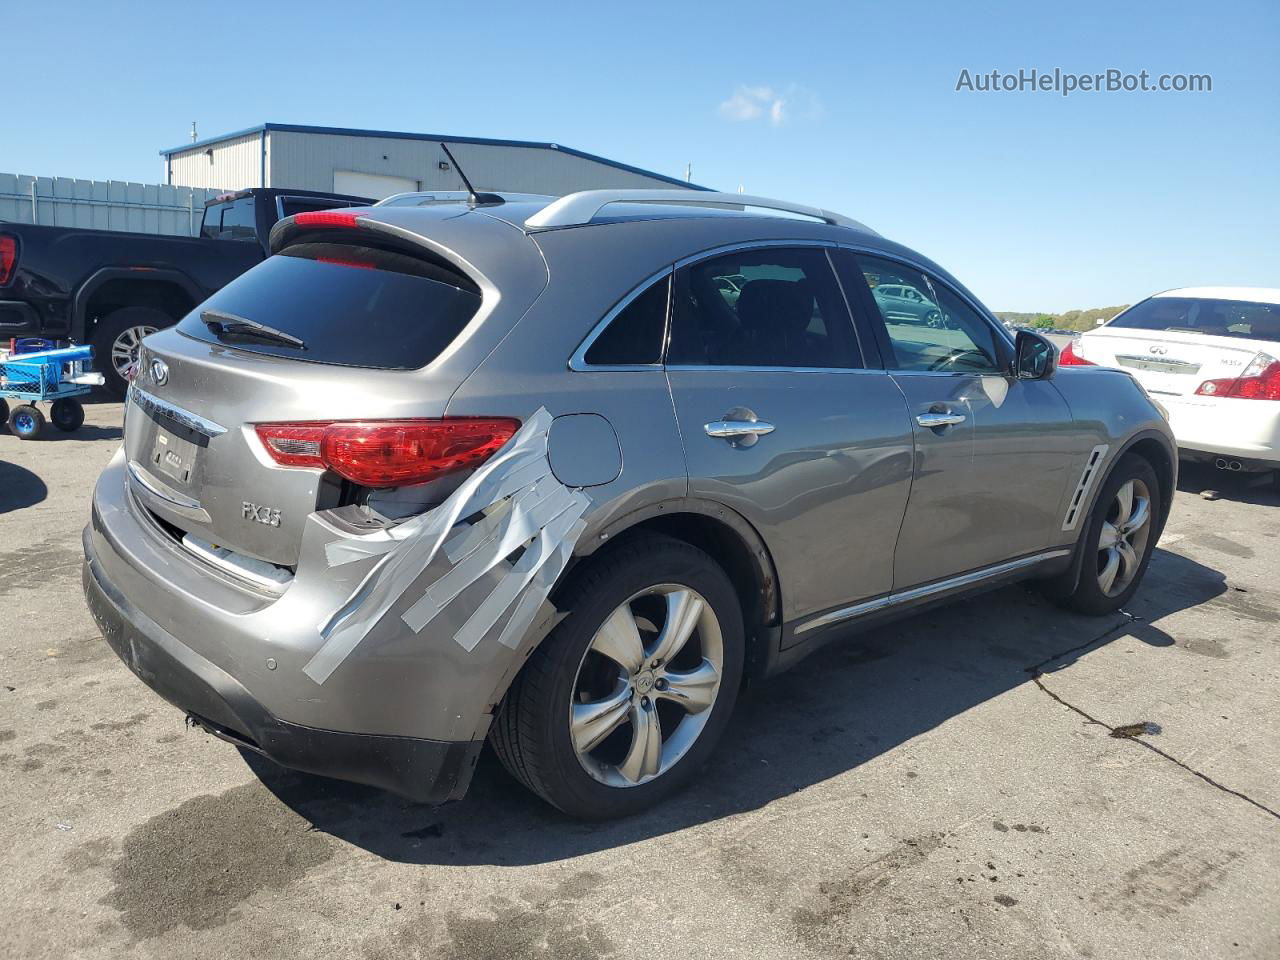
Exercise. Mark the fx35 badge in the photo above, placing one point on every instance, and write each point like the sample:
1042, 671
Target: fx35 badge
260, 514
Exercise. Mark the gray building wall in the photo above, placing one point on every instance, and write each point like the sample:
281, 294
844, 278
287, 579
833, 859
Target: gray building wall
227, 165
307, 160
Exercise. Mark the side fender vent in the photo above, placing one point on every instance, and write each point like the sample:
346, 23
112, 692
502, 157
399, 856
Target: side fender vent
1080, 498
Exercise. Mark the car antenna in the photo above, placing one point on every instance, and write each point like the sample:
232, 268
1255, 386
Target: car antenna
473, 198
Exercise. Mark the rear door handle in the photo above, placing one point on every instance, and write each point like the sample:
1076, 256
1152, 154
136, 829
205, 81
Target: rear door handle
738, 428
934, 419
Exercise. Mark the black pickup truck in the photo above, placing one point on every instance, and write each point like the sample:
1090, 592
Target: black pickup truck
110, 289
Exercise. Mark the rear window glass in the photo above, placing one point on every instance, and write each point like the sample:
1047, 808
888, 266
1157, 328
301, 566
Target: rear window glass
341, 304
1220, 318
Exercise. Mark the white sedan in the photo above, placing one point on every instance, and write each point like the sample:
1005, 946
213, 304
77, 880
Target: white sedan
1211, 357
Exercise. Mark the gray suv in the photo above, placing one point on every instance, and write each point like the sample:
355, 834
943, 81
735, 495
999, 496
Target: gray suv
560, 475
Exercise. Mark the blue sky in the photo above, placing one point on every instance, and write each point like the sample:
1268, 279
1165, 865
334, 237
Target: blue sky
1036, 201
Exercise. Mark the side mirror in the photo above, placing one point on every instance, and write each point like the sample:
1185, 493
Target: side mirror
1035, 357
1099, 322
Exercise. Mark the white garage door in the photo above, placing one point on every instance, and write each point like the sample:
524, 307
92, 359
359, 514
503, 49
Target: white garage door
376, 185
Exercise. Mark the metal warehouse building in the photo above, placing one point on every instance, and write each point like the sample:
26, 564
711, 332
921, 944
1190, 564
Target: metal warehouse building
378, 163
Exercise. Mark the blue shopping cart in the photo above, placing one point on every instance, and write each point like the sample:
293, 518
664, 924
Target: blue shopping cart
55, 377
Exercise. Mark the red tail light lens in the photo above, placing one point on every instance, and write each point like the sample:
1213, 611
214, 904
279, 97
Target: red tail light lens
8, 257
387, 453
1259, 381
1070, 358
327, 218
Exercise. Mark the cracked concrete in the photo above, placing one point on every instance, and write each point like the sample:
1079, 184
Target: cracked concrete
917, 792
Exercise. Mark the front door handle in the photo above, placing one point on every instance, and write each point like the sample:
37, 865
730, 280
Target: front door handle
934, 419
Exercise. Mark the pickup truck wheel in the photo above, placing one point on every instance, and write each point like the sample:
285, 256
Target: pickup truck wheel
26, 422
4, 412
117, 340
628, 695
67, 414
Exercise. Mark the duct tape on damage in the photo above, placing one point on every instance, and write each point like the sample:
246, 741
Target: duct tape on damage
523, 508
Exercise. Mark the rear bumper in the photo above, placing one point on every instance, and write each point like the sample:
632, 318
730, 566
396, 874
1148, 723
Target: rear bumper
17, 316
427, 771
1243, 429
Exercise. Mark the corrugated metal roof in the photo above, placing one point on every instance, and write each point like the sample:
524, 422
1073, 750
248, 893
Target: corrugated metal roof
396, 135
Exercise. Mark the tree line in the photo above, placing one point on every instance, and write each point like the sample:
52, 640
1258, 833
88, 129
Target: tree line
1071, 320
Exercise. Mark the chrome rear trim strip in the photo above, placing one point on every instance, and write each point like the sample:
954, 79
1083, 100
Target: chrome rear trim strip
152, 488
929, 589
267, 577
192, 421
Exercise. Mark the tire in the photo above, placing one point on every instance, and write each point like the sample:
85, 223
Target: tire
532, 731
26, 422
116, 336
1091, 594
4, 412
66, 414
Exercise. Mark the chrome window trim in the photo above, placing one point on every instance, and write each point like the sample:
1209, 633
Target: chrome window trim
749, 245
192, 421
708, 368
578, 362
917, 593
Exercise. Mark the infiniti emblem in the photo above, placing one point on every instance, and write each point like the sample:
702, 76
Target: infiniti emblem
1160, 350
159, 372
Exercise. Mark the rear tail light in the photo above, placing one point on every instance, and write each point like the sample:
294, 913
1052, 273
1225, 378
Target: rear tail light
1070, 358
1260, 380
387, 453
326, 218
8, 257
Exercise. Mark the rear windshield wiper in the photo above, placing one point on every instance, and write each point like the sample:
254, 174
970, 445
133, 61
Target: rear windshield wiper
220, 323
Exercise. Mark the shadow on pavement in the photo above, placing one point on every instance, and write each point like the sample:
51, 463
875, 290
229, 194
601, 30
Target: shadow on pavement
1256, 488
19, 487
840, 708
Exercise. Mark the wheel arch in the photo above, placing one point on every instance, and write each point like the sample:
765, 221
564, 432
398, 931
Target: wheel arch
1157, 449
724, 534
112, 288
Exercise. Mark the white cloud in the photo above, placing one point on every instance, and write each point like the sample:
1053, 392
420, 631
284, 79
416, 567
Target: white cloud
772, 104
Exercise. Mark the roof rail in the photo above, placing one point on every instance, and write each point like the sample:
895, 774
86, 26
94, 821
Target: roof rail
582, 207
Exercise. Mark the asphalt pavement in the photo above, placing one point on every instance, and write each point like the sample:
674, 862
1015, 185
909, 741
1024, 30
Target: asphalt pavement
994, 779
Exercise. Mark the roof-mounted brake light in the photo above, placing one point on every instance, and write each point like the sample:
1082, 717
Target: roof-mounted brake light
327, 218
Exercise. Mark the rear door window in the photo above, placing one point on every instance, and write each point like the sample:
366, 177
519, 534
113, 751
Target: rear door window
349, 305
770, 307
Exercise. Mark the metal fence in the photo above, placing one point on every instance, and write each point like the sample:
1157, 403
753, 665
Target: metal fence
103, 204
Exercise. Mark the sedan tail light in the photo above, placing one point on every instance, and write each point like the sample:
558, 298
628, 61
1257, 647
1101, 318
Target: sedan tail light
1260, 380
387, 453
8, 257
1070, 358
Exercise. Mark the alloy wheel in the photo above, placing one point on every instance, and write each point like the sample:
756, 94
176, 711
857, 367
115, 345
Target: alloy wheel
1123, 541
646, 685
126, 348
